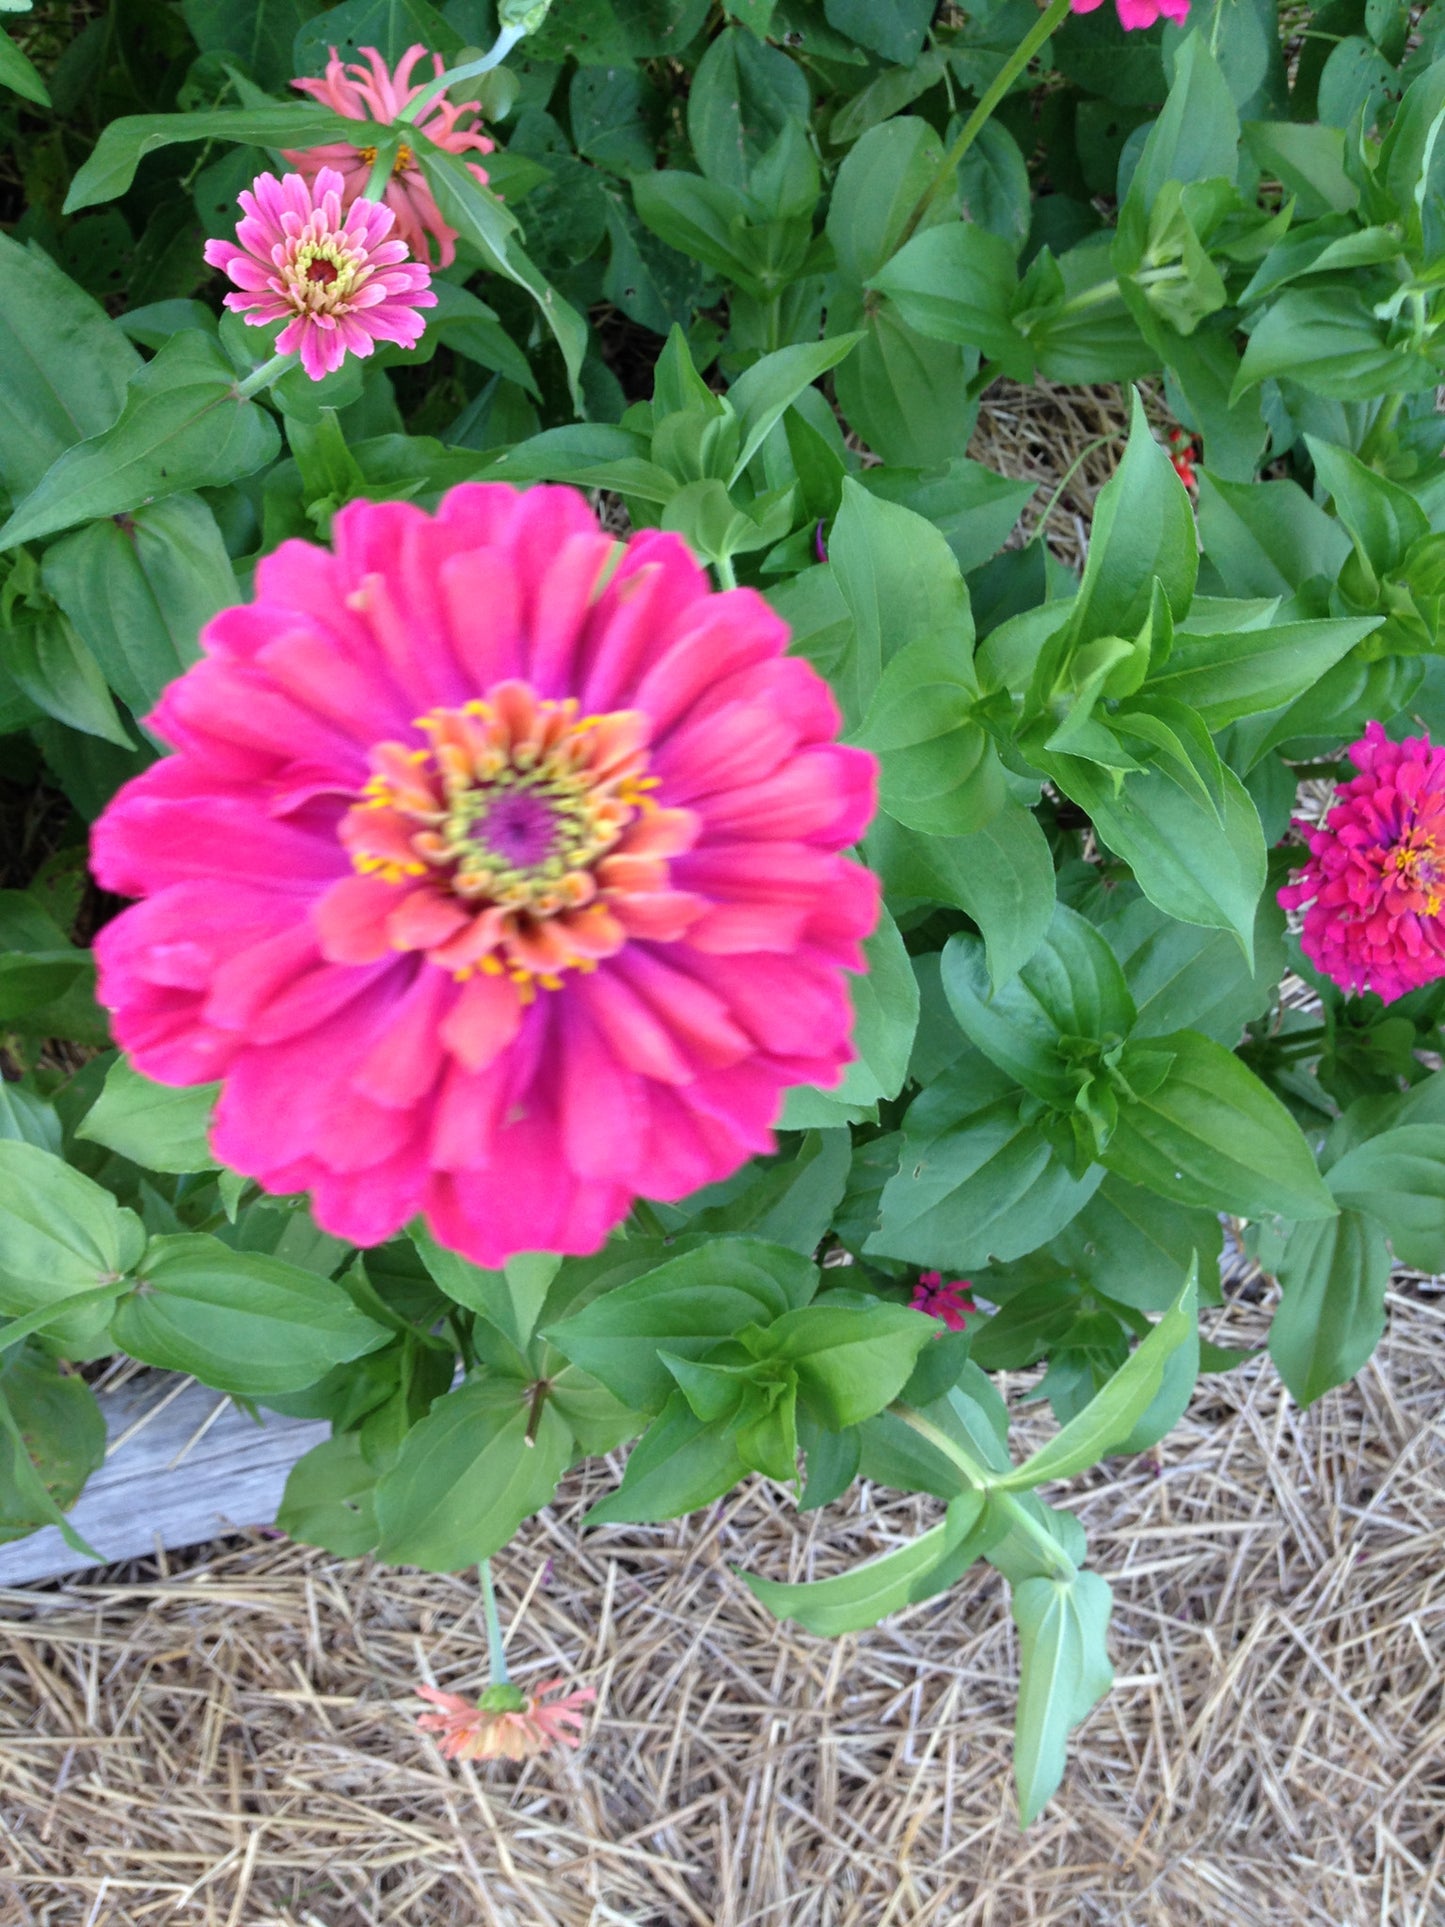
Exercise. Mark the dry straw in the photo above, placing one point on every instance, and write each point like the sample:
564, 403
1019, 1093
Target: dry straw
229, 1740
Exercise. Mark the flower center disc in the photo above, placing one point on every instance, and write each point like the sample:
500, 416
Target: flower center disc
513, 814
1416, 865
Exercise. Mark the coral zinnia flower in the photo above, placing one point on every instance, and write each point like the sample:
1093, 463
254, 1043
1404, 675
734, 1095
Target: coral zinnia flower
506, 1723
498, 875
380, 95
949, 1302
1138, 13
335, 280
1373, 887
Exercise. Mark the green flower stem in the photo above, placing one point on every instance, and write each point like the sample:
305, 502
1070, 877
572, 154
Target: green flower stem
496, 1653
20, 1329
381, 167
501, 47
982, 1480
1048, 21
263, 377
725, 574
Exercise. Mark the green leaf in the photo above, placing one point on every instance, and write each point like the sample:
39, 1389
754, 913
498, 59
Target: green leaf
244, 1323
1002, 875
511, 1299
900, 583
1202, 862
60, 676
885, 1018
485, 225
875, 1590
893, 28
701, 219
64, 365
881, 181
973, 508
1329, 340
1333, 1279
468, 1474
743, 95
851, 1360
1246, 671
1398, 1176
1267, 538
60, 1234
1143, 527
153, 1125
939, 770
1213, 1135
977, 1182
30, 1119
763, 392
1183, 976
956, 283
785, 1200
905, 395
686, 1305
182, 427
139, 590
1135, 1247
1383, 518
1071, 987
330, 1498
1196, 137
1064, 1671
19, 74
124, 143
1308, 159
611, 122
59, 1429
1118, 1406
680, 1463
591, 454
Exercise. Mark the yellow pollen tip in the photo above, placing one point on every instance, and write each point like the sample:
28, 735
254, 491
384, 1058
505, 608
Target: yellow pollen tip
491, 966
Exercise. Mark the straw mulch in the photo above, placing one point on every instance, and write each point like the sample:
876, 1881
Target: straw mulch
230, 1740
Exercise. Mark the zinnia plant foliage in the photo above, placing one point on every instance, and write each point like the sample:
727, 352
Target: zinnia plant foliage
580, 882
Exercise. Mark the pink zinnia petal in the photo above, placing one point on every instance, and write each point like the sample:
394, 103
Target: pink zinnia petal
501, 954
1373, 886
374, 92
337, 281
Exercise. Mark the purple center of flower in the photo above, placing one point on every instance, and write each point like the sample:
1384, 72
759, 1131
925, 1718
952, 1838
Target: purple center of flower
322, 272
518, 827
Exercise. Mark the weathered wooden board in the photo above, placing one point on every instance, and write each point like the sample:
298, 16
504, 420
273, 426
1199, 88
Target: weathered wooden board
162, 1483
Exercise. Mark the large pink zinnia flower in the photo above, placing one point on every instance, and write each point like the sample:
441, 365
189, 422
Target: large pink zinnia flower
335, 280
1373, 886
497, 875
1138, 13
380, 95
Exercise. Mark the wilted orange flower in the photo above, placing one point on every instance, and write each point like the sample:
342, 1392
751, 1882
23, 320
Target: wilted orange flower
506, 1723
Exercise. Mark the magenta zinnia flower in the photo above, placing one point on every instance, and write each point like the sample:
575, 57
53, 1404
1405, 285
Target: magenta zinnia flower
1138, 13
1373, 885
498, 875
336, 281
951, 1303
380, 95
506, 1723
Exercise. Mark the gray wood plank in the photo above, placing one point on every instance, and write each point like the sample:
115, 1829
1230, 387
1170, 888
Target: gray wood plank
163, 1483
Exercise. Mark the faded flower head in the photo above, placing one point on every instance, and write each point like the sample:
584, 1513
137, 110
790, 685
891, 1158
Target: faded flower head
1373, 886
375, 93
506, 1723
1139, 13
499, 875
950, 1303
335, 279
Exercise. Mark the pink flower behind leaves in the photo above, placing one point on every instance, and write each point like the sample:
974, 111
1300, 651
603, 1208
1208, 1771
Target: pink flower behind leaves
380, 95
951, 1303
499, 875
1139, 13
1373, 886
335, 280
506, 1723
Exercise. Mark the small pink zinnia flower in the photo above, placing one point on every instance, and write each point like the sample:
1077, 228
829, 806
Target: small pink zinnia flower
380, 95
506, 1723
336, 281
951, 1302
1138, 13
1181, 455
499, 875
1373, 886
